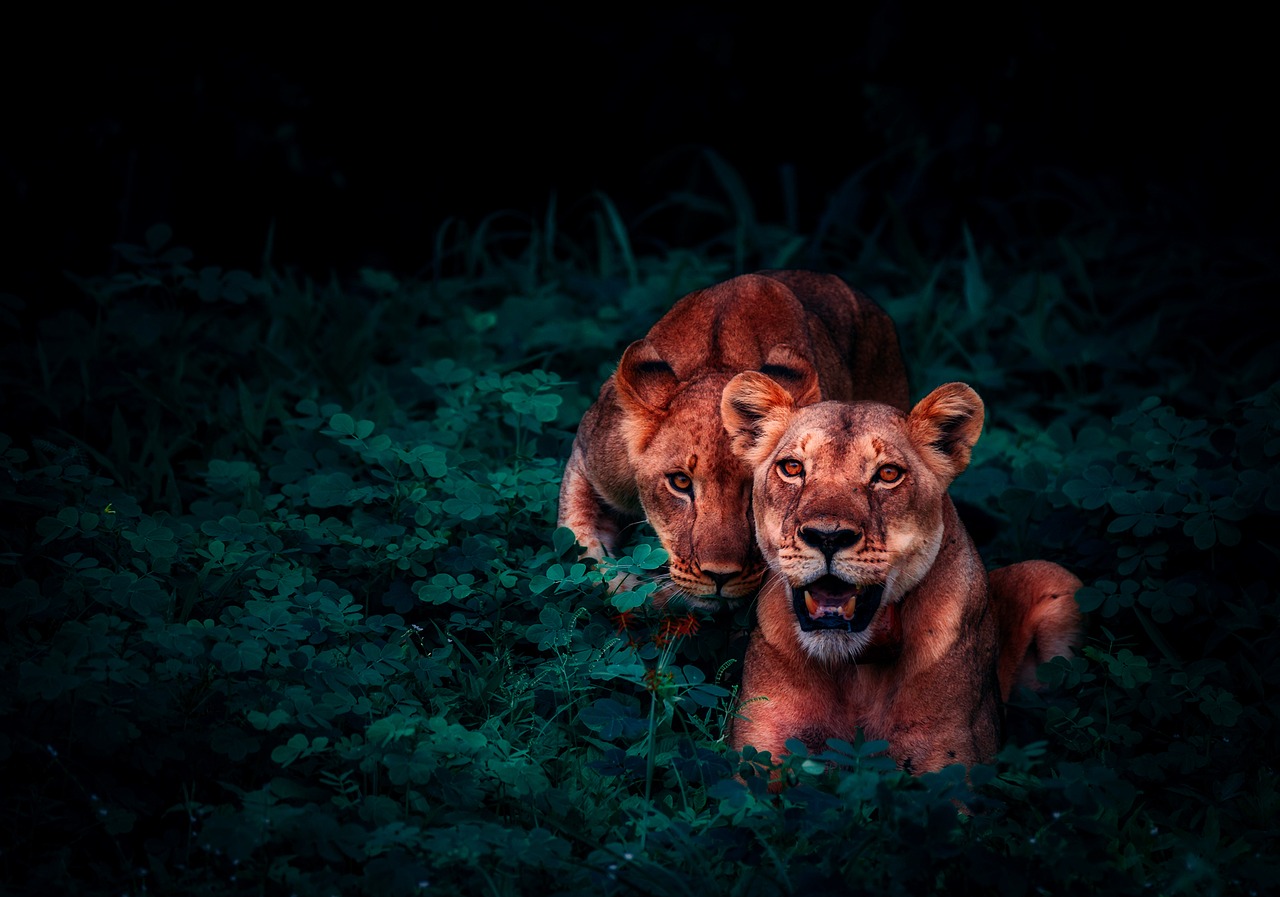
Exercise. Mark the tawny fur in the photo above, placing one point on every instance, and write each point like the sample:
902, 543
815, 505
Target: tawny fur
659, 416
929, 672
1039, 619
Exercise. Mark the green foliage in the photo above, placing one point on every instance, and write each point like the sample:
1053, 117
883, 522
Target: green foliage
286, 610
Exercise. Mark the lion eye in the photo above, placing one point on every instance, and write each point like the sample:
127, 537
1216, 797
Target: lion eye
790, 467
889, 474
681, 482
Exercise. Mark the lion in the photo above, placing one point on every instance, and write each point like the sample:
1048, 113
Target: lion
877, 614
653, 446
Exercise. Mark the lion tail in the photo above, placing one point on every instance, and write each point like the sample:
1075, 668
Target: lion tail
1038, 616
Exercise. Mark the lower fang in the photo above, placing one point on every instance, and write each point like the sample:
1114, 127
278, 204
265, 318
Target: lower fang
846, 609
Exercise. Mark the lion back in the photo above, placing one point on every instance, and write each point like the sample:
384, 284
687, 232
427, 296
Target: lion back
733, 325
854, 339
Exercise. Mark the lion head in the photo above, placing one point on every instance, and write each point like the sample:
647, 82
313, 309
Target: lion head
695, 492
848, 502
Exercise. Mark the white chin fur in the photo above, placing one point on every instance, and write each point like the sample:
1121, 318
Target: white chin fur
833, 647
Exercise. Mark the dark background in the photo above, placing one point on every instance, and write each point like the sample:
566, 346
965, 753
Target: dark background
341, 144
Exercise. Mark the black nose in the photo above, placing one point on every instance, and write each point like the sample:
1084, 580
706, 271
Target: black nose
829, 541
720, 579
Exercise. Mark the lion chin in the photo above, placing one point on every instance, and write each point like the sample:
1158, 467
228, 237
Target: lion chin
674, 596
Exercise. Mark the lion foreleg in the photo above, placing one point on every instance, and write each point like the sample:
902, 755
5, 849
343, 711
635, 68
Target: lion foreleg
584, 511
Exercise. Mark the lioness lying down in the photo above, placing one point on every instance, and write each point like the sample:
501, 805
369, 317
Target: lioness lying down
876, 613
652, 446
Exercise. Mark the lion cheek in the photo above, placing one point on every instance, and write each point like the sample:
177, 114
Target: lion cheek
912, 552
669, 516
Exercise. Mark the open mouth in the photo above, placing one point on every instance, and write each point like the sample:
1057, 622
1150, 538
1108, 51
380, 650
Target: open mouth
830, 603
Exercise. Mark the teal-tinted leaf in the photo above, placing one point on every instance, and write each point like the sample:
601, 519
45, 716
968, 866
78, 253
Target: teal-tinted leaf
1207, 529
238, 285
342, 424
646, 557
117, 821
425, 460
471, 501
158, 236
267, 721
562, 539
386, 730
240, 656
379, 280
329, 490
630, 599
1170, 600
232, 476
612, 720
142, 595
1108, 596
208, 283
552, 630
1220, 706
443, 588
375, 446
286, 753
1126, 667
445, 371
546, 407
449, 738
153, 538
232, 529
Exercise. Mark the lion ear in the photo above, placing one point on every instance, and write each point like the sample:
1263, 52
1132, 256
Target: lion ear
945, 425
645, 383
755, 409
794, 373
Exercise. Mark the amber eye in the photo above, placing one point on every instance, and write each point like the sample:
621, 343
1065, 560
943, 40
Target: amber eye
790, 467
681, 482
889, 474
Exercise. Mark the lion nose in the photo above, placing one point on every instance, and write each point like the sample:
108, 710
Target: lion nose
721, 578
829, 541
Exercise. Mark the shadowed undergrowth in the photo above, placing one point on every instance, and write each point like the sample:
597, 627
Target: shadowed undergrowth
285, 611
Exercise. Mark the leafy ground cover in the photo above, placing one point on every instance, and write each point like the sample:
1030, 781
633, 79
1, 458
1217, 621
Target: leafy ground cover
285, 610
